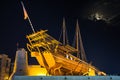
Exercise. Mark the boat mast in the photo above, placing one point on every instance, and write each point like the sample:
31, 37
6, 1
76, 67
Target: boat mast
77, 39
79, 44
64, 33
64, 30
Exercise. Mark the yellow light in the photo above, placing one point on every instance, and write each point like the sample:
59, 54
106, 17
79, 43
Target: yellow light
91, 72
36, 70
6, 77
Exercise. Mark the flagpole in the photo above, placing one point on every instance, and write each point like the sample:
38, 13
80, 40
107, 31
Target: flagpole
31, 24
27, 17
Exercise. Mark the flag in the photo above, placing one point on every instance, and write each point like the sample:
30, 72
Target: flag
25, 12
27, 17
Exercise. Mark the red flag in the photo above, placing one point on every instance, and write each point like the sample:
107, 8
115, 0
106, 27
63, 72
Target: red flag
25, 12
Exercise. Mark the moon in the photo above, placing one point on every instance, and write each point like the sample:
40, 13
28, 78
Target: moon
107, 11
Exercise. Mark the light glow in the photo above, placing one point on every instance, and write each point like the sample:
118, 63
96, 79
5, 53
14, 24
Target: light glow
36, 70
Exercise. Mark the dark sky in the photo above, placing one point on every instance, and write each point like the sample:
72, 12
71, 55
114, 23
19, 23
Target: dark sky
100, 38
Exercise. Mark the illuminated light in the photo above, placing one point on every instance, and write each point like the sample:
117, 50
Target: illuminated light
6, 77
71, 58
36, 70
67, 56
91, 72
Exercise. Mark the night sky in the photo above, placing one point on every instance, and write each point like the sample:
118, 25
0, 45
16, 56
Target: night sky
99, 22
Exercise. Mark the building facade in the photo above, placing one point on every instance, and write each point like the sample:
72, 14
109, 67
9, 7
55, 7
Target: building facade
4, 66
